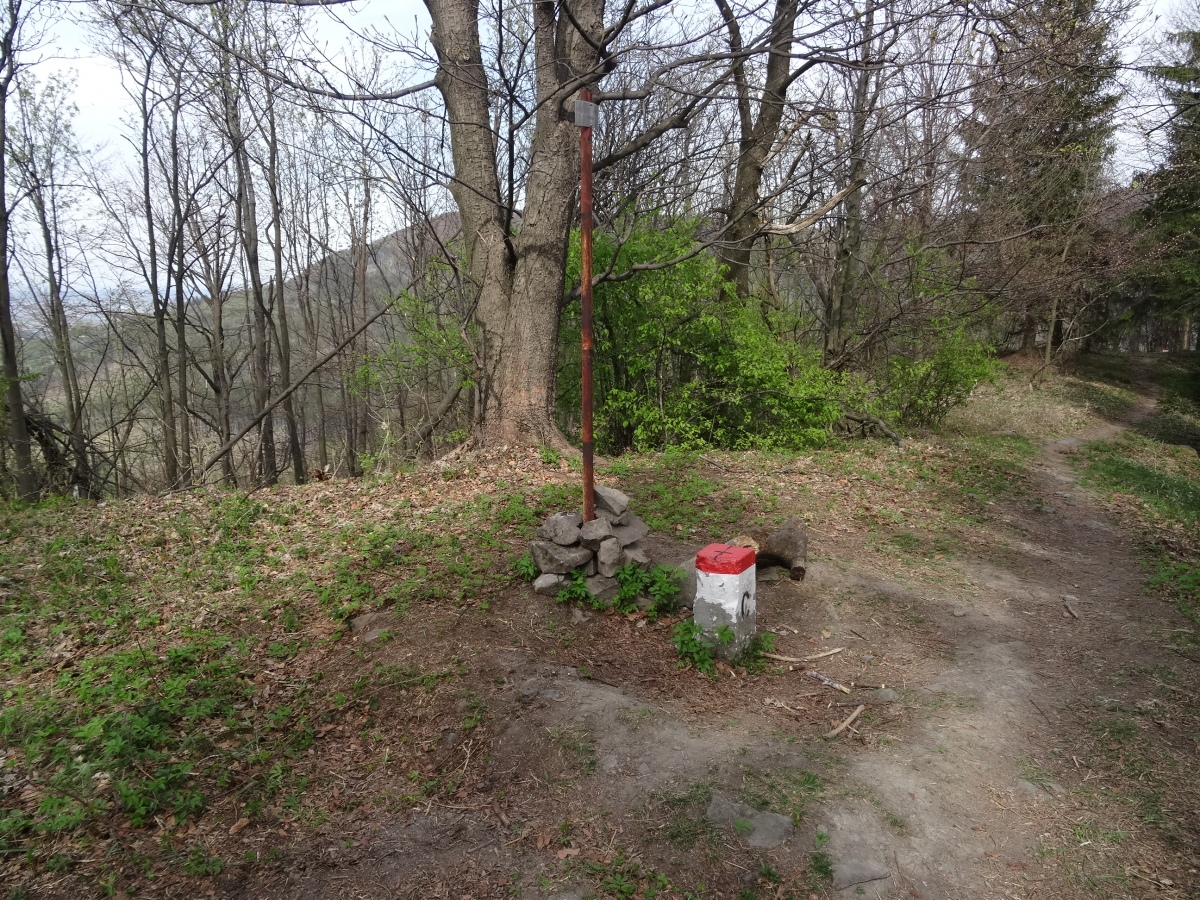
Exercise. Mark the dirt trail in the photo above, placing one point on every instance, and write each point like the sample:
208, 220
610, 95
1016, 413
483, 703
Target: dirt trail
972, 763
1058, 601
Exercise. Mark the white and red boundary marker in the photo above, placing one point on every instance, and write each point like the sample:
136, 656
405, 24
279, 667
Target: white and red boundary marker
725, 582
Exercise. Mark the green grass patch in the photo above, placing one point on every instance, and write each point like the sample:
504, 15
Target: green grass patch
1163, 483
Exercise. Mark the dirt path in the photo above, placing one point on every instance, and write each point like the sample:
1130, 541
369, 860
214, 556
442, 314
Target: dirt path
981, 771
1059, 604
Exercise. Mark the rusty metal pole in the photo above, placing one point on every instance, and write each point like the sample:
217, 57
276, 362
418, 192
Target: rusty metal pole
585, 116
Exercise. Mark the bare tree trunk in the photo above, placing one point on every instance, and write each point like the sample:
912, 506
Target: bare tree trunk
284, 340
519, 277
758, 135
847, 260
248, 228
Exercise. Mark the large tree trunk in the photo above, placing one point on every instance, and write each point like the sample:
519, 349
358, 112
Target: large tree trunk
758, 135
519, 276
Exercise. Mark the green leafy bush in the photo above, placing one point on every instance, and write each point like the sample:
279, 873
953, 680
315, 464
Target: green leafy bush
696, 647
920, 390
575, 590
660, 583
679, 361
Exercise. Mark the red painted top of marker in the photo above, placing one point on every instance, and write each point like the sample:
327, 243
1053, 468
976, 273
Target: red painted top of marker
724, 559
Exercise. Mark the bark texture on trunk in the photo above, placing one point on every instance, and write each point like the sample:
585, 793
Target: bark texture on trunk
519, 276
758, 134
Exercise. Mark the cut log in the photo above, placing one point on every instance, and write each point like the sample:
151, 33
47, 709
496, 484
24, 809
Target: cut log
785, 546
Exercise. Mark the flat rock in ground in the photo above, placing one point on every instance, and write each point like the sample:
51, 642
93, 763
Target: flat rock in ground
631, 531
601, 587
616, 502
755, 827
551, 557
608, 558
561, 528
856, 871
595, 533
548, 584
883, 695
369, 626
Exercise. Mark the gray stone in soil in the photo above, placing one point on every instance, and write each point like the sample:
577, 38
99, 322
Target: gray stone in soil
602, 587
595, 533
561, 528
883, 695
548, 584
856, 871
616, 502
635, 554
756, 828
551, 557
612, 518
771, 574
608, 558
590, 568
631, 531
1033, 790
369, 626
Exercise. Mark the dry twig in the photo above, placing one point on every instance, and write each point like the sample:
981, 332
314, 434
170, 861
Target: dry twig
846, 724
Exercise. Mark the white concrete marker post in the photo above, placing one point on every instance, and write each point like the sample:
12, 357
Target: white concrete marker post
725, 581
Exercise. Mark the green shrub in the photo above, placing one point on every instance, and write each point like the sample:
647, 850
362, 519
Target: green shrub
660, 583
679, 361
921, 390
696, 648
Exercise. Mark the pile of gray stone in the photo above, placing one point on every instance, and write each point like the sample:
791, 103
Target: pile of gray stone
566, 544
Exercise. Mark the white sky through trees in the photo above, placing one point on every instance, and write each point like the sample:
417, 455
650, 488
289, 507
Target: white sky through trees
103, 102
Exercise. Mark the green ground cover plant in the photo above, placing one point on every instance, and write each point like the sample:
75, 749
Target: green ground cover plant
1153, 475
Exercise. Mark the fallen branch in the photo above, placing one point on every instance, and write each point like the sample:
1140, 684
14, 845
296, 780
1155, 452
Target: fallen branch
868, 419
850, 718
829, 682
823, 655
787, 659
803, 659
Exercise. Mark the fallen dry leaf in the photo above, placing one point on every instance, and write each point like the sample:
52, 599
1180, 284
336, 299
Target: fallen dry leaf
570, 851
239, 825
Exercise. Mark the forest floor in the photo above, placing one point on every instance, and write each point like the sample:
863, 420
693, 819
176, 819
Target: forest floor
187, 711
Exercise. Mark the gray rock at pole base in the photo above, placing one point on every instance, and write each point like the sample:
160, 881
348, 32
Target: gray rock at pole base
550, 557
756, 828
601, 587
595, 533
561, 528
856, 871
616, 502
635, 554
612, 518
631, 531
608, 558
548, 584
